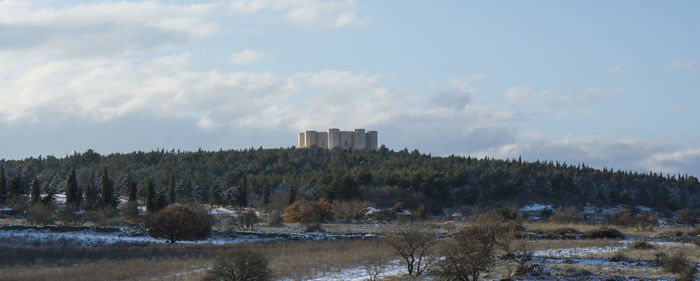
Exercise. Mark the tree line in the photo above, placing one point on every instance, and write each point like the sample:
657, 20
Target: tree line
256, 177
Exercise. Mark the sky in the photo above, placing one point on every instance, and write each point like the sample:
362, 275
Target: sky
608, 83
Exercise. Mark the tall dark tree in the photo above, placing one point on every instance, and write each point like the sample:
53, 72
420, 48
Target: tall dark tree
107, 197
151, 197
242, 194
214, 195
3, 186
171, 190
132, 191
292, 195
36, 191
14, 189
265, 195
71, 190
184, 193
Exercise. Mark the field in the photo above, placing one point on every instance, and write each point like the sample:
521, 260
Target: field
338, 252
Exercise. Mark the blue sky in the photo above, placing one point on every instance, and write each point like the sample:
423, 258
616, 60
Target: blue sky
609, 83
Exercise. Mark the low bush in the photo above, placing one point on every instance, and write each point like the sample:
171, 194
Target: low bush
41, 214
565, 215
308, 212
70, 216
642, 245
603, 233
562, 233
240, 265
246, 220
178, 222
275, 218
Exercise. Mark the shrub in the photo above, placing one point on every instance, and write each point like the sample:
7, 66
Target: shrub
470, 254
275, 219
374, 267
103, 215
242, 265
246, 220
603, 233
686, 216
308, 212
642, 245
565, 215
353, 210
178, 222
71, 216
41, 214
130, 211
675, 263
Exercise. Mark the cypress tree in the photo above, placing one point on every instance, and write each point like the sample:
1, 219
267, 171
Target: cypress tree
171, 190
214, 196
107, 192
242, 194
151, 198
132, 191
36, 192
266, 195
71, 190
3, 186
292, 195
14, 189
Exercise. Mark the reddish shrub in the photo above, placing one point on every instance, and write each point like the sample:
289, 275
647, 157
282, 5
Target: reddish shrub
308, 212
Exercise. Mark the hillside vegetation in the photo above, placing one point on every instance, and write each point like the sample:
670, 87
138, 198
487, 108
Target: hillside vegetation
256, 177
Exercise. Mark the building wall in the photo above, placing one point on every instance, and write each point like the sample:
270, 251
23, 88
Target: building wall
310, 139
333, 138
322, 139
346, 140
372, 140
359, 140
302, 140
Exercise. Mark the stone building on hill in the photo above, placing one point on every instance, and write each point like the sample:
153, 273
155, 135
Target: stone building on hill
356, 139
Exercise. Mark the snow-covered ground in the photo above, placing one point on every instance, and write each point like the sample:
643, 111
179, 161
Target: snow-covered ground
93, 237
575, 252
535, 207
358, 273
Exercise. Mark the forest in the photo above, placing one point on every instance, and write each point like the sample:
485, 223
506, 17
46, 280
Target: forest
255, 177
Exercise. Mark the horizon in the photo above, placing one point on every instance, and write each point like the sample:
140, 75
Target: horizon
609, 84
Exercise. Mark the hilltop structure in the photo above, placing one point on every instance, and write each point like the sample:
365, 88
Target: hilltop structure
356, 139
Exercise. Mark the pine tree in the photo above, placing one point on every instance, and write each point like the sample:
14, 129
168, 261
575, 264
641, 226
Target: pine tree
151, 198
71, 190
214, 196
184, 193
171, 191
242, 194
14, 189
107, 196
3, 186
266, 195
36, 192
132, 191
292, 195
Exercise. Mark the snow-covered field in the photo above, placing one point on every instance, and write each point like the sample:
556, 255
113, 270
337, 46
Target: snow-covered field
93, 237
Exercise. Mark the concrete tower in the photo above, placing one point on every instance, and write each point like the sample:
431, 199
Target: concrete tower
333, 138
371, 140
359, 139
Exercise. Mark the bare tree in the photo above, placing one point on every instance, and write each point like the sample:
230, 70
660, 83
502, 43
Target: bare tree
374, 267
415, 246
241, 265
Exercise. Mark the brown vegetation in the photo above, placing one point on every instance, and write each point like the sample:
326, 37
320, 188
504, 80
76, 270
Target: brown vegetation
178, 222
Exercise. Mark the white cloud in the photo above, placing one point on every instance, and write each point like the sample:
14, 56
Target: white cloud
526, 96
247, 56
306, 13
97, 29
614, 70
680, 65
593, 94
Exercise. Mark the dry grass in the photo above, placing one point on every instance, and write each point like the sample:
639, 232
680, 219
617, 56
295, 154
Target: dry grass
295, 260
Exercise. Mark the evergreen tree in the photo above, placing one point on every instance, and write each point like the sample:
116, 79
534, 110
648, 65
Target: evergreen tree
266, 195
36, 191
132, 191
242, 194
107, 197
151, 198
184, 193
214, 196
292, 195
14, 189
171, 190
71, 191
3, 186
